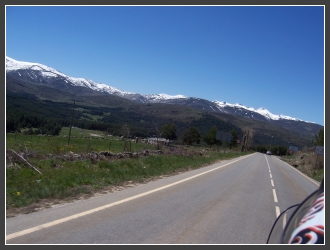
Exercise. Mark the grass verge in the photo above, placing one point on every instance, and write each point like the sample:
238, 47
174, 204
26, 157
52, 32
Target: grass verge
62, 178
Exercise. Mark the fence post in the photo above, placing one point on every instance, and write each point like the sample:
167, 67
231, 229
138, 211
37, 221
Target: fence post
74, 101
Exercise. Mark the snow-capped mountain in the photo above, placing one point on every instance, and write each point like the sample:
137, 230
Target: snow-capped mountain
161, 97
262, 111
41, 74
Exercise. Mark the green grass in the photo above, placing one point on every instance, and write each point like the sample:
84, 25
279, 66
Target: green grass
62, 179
25, 186
81, 141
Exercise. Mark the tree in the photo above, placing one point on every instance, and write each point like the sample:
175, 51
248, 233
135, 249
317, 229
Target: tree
319, 138
234, 137
191, 135
210, 137
125, 130
169, 131
249, 139
11, 125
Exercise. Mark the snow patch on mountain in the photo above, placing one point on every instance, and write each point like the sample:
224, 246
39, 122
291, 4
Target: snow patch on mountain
262, 111
12, 65
156, 97
48, 72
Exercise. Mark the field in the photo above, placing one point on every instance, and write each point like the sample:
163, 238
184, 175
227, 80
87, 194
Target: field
81, 141
42, 171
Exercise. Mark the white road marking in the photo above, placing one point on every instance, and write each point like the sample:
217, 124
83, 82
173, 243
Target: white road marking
274, 194
278, 212
72, 217
277, 209
267, 161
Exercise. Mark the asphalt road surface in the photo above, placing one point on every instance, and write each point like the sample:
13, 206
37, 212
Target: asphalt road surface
232, 202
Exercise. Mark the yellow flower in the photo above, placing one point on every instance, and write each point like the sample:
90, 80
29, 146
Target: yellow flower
18, 193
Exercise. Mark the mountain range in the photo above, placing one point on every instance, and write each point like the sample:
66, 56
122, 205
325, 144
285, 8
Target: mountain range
31, 78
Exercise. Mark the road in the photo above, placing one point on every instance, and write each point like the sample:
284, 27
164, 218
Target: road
231, 202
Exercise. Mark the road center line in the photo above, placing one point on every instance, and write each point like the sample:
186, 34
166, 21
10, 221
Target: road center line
278, 212
274, 194
72, 217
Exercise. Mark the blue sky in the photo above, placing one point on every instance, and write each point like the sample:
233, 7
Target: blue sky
257, 56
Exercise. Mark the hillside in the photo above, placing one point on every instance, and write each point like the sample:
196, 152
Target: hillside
108, 112
107, 108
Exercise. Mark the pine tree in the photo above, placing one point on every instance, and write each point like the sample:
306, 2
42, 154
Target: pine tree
319, 138
191, 135
210, 137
